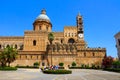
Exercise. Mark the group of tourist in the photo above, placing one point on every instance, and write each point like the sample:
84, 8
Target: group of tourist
52, 67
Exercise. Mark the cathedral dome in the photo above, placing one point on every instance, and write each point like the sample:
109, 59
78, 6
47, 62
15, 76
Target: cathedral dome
43, 16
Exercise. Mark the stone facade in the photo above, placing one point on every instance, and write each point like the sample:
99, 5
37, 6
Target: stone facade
117, 38
68, 46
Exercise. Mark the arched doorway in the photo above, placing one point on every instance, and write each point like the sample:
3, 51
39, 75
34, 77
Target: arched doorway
71, 40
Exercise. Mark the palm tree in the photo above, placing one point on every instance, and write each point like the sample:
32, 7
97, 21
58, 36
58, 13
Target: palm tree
8, 55
51, 38
11, 54
3, 59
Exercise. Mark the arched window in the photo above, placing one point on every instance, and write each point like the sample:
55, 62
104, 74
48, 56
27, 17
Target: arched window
71, 40
47, 28
34, 43
84, 54
31, 56
69, 34
26, 56
65, 34
39, 27
37, 57
61, 40
20, 56
93, 54
15, 46
0, 46
72, 34
8, 45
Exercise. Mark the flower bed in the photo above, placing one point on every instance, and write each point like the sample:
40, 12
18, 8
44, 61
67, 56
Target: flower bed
57, 71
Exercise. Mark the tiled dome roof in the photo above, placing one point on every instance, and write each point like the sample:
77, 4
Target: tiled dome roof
43, 16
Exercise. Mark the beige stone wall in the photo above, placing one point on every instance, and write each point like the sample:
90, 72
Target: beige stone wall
84, 56
39, 37
25, 58
58, 37
70, 32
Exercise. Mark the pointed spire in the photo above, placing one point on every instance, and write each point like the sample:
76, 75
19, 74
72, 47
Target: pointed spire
78, 13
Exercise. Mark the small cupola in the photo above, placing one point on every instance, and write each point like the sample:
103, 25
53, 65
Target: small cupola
42, 22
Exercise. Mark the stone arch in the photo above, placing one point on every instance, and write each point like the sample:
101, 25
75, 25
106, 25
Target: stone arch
7, 45
71, 40
34, 42
0, 46
16, 46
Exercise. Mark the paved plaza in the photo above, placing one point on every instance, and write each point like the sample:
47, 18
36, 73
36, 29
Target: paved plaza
77, 74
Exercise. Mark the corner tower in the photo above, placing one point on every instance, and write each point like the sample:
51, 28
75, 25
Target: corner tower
42, 22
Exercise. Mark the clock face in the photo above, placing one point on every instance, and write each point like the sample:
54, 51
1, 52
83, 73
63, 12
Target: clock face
80, 35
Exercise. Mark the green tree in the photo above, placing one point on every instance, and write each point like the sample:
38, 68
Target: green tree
51, 38
61, 64
116, 64
73, 64
8, 55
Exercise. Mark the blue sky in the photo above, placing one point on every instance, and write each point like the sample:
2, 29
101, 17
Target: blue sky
101, 18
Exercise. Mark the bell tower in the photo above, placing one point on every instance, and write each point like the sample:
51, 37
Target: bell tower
80, 31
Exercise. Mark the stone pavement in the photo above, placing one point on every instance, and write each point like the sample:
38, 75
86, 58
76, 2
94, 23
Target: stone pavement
77, 74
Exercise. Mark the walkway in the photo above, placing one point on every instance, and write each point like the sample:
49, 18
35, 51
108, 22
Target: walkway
80, 74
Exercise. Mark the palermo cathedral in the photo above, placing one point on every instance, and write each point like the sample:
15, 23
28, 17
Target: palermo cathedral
68, 46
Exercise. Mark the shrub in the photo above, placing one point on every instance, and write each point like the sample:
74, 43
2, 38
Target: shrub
116, 63
107, 62
36, 64
112, 69
57, 71
61, 64
73, 64
60, 67
8, 68
82, 65
87, 66
75, 67
93, 66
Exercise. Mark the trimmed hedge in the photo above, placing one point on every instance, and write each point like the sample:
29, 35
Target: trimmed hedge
57, 71
8, 68
84, 68
112, 69
27, 67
